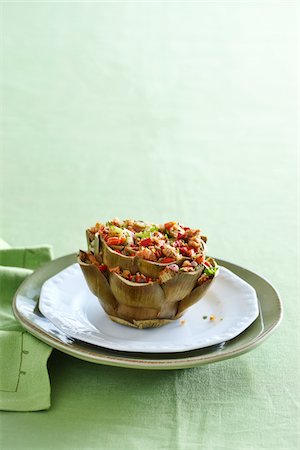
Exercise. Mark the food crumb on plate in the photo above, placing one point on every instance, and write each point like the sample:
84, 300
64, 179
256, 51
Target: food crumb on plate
182, 322
212, 318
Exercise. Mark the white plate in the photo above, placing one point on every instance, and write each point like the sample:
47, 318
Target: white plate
68, 303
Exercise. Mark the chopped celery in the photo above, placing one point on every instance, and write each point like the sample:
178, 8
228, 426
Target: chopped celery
210, 271
147, 232
143, 234
115, 230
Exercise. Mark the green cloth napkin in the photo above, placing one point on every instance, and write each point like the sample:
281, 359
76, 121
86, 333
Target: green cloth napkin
24, 381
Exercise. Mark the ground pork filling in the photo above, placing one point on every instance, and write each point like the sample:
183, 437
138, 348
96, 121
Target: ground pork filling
165, 243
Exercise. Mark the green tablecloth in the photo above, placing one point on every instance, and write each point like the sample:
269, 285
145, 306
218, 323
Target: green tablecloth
158, 110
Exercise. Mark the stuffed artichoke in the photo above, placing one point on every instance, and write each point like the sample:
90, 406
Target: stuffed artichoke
146, 275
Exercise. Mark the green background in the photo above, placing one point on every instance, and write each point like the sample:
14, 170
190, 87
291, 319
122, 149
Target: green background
162, 111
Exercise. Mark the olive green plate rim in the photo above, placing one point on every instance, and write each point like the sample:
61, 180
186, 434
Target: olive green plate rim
270, 316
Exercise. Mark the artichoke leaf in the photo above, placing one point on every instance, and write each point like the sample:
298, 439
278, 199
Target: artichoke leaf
97, 245
92, 242
122, 321
132, 313
168, 310
145, 295
150, 268
99, 286
181, 285
89, 240
196, 294
112, 259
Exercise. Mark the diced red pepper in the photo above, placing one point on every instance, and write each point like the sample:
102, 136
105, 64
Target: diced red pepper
114, 240
185, 251
102, 267
178, 243
146, 242
200, 259
169, 225
167, 260
181, 235
207, 264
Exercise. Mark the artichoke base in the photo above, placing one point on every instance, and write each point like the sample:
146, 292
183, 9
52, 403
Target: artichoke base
147, 323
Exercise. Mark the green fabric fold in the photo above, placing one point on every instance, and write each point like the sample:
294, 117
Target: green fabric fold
24, 381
